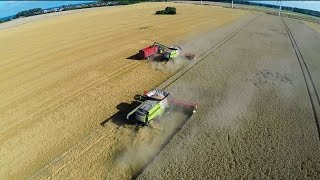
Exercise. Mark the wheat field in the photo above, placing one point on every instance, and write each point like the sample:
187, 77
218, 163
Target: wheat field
61, 76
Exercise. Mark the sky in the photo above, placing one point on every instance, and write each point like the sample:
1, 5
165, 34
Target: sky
312, 5
8, 8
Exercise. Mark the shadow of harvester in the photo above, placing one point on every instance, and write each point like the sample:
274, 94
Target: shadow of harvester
120, 118
155, 57
134, 57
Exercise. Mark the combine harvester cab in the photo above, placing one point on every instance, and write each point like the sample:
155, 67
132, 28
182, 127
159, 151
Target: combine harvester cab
172, 53
156, 103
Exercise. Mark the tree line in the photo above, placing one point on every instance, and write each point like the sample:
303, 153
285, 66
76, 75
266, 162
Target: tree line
30, 12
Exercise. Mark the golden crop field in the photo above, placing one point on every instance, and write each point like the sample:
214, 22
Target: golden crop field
314, 26
61, 76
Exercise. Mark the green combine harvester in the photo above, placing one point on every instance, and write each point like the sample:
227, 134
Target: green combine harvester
168, 52
154, 103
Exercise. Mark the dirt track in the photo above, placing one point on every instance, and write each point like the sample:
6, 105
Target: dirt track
308, 42
61, 77
254, 119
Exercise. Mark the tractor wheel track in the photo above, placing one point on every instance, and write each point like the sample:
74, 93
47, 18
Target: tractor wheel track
99, 132
312, 91
202, 57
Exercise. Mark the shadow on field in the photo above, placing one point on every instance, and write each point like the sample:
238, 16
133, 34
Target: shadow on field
156, 58
134, 57
119, 118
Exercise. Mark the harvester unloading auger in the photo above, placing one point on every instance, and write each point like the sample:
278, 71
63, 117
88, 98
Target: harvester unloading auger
163, 51
154, 104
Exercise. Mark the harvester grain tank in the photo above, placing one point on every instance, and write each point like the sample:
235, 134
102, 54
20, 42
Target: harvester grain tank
148, 52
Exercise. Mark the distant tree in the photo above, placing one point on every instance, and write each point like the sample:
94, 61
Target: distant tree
30, 12
168, 10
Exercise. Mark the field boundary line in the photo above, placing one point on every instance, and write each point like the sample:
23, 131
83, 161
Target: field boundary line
312, 91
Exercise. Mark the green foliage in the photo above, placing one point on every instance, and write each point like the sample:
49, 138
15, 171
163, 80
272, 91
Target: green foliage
168, 10
127, 2
30, 12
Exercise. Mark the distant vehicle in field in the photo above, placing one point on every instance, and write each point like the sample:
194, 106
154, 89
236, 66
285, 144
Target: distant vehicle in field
162, 51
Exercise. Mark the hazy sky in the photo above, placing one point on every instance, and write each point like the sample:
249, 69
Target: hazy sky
8, 8
313, 5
